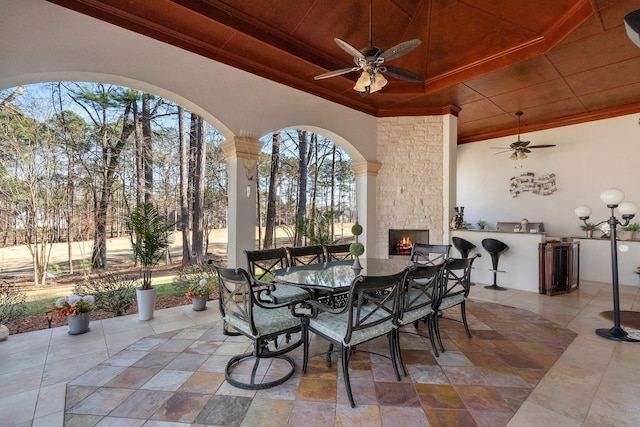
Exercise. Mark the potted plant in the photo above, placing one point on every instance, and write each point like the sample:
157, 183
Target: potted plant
588, 228
631, 229
77, 310
356, 248
150, 237
481, 224
199, 293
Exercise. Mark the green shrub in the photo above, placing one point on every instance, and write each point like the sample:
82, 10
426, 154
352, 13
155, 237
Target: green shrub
12, 303
191, 274
317, 227
114, 293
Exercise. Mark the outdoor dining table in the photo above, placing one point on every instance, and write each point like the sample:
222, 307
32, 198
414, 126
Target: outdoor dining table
336, 277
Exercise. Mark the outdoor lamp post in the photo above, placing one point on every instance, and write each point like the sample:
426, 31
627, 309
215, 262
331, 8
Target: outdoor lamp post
613, 199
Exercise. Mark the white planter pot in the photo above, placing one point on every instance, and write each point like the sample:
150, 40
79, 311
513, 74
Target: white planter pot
4, 332
146, 302
199, 303
79, 324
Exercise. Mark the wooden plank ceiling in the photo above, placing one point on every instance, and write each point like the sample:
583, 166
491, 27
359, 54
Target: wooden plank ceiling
559, 61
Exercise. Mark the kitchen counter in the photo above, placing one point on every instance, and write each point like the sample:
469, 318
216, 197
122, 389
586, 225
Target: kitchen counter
518, 264
475, 230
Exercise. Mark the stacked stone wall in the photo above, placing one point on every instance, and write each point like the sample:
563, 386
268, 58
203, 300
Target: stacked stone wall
410, 180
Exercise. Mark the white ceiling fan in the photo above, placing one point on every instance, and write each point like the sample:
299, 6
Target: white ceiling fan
519, 148
372, 61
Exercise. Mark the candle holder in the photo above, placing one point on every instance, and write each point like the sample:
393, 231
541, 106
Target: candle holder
613, 198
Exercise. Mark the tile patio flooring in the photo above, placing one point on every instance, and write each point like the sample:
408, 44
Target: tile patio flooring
169, 372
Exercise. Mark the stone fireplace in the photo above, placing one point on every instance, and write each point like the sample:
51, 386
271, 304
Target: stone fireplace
401, 240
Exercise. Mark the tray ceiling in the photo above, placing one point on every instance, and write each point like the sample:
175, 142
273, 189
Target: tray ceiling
560, 61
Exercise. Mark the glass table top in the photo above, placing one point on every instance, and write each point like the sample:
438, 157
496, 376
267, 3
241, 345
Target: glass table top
338, 275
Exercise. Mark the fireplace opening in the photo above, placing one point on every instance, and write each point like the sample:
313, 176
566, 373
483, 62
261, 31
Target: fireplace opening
401, 240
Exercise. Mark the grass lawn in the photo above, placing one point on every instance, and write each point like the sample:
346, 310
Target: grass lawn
38, 303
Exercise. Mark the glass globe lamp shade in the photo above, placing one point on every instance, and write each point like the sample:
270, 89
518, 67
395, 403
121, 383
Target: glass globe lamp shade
628, 209
612, 197
583, 211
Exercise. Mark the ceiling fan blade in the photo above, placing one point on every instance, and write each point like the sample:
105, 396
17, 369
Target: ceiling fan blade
500, 152
542, 146
349, 49
400, 49
336, 73
500, 148
401, 74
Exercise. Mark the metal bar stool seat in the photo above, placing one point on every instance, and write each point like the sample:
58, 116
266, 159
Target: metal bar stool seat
495, 249
463, 246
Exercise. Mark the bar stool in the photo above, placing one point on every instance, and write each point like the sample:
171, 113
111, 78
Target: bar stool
495, 249
464, 247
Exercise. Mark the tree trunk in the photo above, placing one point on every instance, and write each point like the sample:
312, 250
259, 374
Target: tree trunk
184, 189
333, 189
302, 182
198, 188
314, 184
99, 251
270, 222
138, 154
147, 150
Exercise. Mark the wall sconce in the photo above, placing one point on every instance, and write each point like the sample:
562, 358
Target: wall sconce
613, 199
250, 169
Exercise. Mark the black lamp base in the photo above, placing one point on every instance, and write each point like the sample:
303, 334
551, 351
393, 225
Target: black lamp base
496, 287
615, 334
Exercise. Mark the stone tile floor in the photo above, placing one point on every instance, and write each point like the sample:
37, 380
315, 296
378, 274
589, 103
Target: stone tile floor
178, 377
534, 360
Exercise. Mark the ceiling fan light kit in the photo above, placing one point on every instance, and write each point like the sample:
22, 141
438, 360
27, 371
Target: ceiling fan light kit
371, 61
519, 149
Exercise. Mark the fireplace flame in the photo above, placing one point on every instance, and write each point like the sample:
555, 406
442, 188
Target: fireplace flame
404, 246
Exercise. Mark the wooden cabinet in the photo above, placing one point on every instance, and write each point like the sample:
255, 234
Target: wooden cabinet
558, 267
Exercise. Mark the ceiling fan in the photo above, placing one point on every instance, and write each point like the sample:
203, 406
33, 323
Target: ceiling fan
372, 61
520, 149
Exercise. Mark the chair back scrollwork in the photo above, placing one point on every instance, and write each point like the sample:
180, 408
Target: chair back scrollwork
305, 255
429, 254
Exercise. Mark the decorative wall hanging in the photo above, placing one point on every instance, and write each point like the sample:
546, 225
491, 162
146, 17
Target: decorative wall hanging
542, 185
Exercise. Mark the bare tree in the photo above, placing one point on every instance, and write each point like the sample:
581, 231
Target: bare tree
270, 222
185, 218
96, 104
302, 181
31, 153
199, 151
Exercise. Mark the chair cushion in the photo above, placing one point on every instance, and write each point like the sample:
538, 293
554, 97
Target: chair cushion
414, 315
267, 321
285, 293
448, 302
334, 326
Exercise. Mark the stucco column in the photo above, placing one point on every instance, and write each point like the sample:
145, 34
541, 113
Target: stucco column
242, 160
366, 173
449, 169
